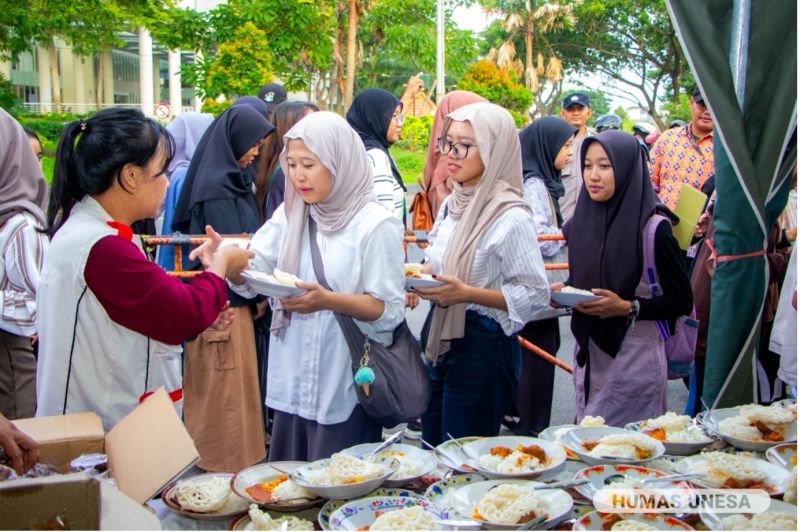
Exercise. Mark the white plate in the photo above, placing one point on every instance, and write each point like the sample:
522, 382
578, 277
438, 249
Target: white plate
712, 419
784, 455
714, 521
599, 473
243, 522
555, 433
233, 507
674, 447
466, 498
602, 521
401, 452
345, 491
263, 284
776, 476
265, 473
568, 299
574, 439
555, 455
424, 281
357, 514
450, 456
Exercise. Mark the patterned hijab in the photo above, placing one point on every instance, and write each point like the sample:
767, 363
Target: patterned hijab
22, 184
476, 208
342, 153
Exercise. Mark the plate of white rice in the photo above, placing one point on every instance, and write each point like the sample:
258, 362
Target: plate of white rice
677, 432
754, 427
414, 462
780, 516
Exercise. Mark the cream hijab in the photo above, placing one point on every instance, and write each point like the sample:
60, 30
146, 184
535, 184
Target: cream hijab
22, 185
475, 208
341, 151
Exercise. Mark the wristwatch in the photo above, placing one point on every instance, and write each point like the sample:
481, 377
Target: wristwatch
633, 313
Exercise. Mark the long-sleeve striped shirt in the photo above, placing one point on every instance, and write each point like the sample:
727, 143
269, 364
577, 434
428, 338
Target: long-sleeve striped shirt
22, 249
390, 193
508, 259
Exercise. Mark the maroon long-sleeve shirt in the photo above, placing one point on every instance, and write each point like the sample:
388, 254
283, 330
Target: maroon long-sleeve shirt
139, 295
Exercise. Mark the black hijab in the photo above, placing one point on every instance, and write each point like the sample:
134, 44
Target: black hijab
370, 115
540, 143
254, 103
606, 243
214, 172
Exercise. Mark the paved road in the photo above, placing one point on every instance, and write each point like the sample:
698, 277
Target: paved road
563, 408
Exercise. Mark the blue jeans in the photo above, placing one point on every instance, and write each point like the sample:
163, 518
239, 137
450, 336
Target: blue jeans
474, 383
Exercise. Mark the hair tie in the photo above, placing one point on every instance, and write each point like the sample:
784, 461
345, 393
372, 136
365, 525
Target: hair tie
83, 125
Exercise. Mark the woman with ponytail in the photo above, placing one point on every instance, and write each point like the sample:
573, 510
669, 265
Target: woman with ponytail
110, 320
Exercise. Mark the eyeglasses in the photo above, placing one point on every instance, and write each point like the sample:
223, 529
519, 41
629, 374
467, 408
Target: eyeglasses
398, 119
460, 150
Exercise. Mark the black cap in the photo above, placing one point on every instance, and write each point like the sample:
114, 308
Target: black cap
608, 121
576, 97
696, 96
272, 93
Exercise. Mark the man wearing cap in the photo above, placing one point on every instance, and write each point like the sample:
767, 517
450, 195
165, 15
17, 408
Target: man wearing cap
272, 94
684, 156
576, 110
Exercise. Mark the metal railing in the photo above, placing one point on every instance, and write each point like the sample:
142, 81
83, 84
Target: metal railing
83, 108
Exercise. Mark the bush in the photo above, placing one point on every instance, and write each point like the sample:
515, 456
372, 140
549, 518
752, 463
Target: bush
498, 86
8, 98
416, 133
214, 107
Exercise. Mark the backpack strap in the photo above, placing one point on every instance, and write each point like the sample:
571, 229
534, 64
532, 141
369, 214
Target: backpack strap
649, 265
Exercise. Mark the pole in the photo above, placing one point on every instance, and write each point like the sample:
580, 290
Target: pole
439, 50
740, 40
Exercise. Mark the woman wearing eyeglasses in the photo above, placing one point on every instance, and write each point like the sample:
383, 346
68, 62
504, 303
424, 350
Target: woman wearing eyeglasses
493, 277
376, 115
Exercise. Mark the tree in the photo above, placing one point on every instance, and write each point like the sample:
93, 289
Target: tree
399, 40
241, 65
631, 43
499, 86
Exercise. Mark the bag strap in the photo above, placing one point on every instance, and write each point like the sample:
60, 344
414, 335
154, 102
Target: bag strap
649, 241
356, 340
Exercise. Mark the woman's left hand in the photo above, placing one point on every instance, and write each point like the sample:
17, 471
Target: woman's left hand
608, 306
315, 299
452, 292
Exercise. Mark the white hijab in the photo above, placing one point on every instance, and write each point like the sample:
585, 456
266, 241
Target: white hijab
342, 153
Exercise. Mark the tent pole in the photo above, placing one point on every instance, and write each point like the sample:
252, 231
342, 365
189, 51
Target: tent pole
740, 37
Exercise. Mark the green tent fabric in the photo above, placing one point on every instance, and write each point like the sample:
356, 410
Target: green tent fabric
743, 54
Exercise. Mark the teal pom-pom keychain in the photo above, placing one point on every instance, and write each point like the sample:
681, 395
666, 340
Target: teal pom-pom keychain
364, 377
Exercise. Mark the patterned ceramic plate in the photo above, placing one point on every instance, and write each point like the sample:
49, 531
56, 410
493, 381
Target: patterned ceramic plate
362, 513
244, 522
324, 517
603, 521
439, 492
599, 473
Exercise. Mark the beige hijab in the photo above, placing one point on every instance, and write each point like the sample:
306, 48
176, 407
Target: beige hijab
437, 184
475, 208
341, 151
22, 184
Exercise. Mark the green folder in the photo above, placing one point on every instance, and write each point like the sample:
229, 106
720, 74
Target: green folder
691, 203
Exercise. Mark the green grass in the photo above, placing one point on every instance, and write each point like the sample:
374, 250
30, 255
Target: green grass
410, 163
47, 167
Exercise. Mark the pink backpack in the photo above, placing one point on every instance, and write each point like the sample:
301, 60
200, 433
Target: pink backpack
679, 347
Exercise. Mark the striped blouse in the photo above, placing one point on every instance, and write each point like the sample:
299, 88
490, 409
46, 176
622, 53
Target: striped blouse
23, 249
390, 193
507, 258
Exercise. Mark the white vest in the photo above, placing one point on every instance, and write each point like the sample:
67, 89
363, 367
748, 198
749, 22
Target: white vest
87, 362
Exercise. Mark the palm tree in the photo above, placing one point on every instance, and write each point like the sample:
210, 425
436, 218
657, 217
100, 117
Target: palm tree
534, 19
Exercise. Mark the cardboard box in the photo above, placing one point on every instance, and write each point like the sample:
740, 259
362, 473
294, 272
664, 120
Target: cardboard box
62, 438
146, 450
77, 501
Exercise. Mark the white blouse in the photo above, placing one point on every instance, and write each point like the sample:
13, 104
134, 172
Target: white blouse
507, 258
309, 371
535, 194
390, 193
